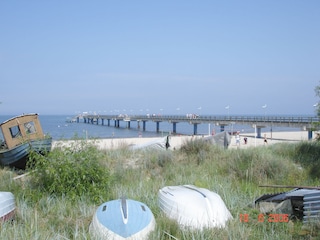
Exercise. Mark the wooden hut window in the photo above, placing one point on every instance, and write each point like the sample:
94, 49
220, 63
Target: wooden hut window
30, 127
15, 132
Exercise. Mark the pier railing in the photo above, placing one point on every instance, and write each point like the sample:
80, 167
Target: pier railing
209, 118
306, 122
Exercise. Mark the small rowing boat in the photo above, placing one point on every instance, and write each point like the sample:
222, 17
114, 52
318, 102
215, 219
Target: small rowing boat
122, 219
193, 207
7, 206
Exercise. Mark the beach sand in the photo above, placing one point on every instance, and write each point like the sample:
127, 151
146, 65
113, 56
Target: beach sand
114, 143
272, 138
177, 141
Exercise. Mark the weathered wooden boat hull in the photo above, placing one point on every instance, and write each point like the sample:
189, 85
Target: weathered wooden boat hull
15, 157
122, 219
193, 207
41, 145
7, 206
18, 156
22, 134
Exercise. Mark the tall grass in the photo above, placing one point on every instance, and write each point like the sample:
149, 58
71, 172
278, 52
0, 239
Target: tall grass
46, 212
308, 155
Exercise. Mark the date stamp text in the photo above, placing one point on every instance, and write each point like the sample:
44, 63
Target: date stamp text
271, 218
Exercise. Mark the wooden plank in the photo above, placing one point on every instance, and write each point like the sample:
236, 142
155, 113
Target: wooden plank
290, 186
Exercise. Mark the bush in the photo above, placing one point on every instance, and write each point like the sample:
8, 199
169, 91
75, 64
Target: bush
197, 149
308, 155
261, 165
164, 158
71, 172
194, 146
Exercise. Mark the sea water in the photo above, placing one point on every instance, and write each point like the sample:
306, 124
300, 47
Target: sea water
58, 127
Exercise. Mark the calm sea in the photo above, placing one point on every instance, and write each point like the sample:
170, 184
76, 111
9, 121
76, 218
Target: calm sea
58, 127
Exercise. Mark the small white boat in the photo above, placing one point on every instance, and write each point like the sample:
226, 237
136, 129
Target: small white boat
7, 206
122, 219
193, 207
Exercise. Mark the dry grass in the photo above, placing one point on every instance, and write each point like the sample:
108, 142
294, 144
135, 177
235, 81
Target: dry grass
234, 174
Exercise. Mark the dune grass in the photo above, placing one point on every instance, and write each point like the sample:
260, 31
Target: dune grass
58, 199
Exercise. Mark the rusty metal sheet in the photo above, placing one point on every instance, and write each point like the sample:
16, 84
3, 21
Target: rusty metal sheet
311, 207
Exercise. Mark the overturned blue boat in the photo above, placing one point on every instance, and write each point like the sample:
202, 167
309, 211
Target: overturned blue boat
122, 219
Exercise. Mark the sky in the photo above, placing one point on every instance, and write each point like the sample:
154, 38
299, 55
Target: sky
163, 57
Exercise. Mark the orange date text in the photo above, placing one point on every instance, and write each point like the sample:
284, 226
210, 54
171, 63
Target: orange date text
271, 218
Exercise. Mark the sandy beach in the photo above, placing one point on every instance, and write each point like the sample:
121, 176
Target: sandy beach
177, 141
272, 138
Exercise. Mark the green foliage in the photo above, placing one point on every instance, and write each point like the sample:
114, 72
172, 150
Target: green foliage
197, 149
308, 155
55, 200
71, 172
194, 147
164, 157
261, 166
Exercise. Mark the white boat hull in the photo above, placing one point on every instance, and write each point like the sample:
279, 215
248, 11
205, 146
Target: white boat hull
122, 219
193, 207
7, 206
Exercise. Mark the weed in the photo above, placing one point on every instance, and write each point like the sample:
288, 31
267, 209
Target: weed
59, 198
71, 173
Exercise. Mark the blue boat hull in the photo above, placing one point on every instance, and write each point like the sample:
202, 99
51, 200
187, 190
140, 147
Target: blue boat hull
15, 157
41, 145
122, 219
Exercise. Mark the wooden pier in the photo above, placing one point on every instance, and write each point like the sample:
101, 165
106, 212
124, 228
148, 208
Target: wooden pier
304, 123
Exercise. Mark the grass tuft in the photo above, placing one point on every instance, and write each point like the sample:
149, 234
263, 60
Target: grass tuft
57, 200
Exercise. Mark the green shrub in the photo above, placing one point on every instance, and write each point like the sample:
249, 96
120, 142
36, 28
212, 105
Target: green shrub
199, 150
71, 172
195, 147
45, 213
308, 155
261, 165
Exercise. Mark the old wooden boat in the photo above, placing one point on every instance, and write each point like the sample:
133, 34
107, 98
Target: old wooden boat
193, 207
22, 134
7, 206
122, 219
41, 145
14, 157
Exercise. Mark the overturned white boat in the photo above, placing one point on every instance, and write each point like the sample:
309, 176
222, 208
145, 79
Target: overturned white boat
122, 219
7, 206
193, 207
157, 144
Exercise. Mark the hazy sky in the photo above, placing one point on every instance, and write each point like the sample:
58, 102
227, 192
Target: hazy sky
168, 56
